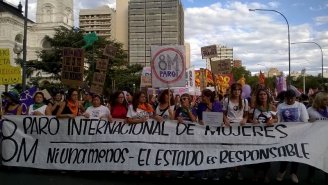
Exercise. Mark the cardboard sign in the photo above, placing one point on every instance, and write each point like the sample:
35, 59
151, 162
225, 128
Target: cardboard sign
168, 66
102, 64
221, 66
97, 89
146, 77
209, 51
109, 51
99, 78
72, 66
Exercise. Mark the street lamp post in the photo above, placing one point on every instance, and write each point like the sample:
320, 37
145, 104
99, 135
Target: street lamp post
289, 79
303, 73
24, 48
311, 42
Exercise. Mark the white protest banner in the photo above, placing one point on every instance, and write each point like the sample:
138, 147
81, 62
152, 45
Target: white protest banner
91, 144
168, 66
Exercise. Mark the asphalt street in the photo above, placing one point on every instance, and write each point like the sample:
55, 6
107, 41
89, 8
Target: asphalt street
26, 176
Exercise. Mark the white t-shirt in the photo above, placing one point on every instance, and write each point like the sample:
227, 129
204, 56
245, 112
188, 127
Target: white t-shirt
165, 112
98, 112
234, 114
139, 113
42, 110
292, 113
315, 115
262, 116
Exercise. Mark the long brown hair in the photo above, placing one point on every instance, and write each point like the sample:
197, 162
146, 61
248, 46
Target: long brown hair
135, 101
240, 99
161, 98
258, 101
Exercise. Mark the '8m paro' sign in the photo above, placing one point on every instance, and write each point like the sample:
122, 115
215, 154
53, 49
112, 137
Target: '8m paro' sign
168, 66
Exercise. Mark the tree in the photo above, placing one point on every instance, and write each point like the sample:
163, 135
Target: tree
118, 70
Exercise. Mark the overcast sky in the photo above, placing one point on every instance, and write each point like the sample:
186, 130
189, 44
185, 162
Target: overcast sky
257, 37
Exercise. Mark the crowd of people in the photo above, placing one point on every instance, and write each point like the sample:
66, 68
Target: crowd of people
261, 108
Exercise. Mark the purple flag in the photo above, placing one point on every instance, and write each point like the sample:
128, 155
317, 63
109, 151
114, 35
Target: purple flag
26, 98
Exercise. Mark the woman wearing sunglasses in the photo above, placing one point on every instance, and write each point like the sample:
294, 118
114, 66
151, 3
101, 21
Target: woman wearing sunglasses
185, 112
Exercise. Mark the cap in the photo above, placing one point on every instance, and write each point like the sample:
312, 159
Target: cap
13, 95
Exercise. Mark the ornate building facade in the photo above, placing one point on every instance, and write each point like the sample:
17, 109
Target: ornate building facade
49, 15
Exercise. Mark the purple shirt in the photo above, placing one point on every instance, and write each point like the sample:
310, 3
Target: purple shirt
216, 107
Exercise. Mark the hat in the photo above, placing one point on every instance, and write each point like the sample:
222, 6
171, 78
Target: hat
290, 93
13, 95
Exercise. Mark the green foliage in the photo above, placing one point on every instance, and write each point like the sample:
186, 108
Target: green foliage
50, 58
310, 82
239, 72
119, 74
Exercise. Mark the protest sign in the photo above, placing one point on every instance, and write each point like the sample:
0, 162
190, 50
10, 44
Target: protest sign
92, 144
72, 66
213, 118
190, 77
102, 64
8, 74
96, 88
168, 66
209, 51
99, 78
221, 66
145, 77
109, 51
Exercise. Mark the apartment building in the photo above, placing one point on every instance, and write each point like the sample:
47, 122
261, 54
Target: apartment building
100, 20
153, 22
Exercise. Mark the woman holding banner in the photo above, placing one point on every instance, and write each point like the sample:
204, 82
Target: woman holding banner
71, 107
165, 108
235, 111
139, 111
208, 104
263, 113
55, 102
118, 105
39, 107
11, 104
318, 111
235, 108
186, 111
291, 111
97, 110
319, 108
